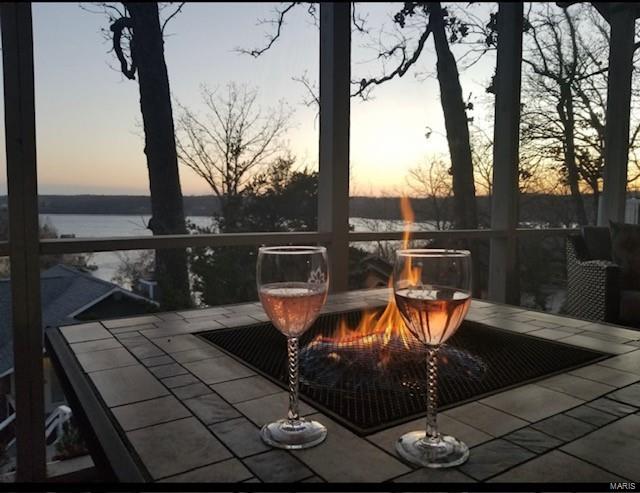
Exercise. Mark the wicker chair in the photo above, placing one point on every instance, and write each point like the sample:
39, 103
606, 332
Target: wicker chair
593, 280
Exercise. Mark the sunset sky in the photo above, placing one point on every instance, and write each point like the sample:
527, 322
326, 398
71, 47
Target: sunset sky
88, 118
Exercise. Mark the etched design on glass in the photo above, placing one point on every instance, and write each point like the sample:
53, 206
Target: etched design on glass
317, 276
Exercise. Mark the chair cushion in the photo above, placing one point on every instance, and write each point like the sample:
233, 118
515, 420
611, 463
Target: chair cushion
625, 251
598, 242
630, 306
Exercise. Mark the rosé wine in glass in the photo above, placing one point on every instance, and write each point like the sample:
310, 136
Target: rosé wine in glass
292, 306
293, 282
434, 314
433, 293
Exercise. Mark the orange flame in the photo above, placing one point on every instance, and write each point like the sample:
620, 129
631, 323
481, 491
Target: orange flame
389, 324
408, 217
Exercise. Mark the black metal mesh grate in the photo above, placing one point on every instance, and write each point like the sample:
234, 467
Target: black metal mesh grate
368, 385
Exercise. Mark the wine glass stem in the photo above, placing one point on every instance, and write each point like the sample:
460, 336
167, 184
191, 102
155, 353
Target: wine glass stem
432, 393
292, 351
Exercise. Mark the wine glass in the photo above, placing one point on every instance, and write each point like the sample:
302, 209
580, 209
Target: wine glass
292, 283
433, 292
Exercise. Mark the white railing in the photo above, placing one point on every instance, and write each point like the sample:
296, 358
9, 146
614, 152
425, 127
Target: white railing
56, 420
7, 421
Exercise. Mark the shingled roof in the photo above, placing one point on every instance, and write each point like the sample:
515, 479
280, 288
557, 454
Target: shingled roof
65, 294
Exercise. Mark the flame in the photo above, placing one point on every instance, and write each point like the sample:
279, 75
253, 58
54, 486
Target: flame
374, 326
408, 217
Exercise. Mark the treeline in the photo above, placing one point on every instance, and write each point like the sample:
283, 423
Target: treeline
197, 205
550, 210
543, 209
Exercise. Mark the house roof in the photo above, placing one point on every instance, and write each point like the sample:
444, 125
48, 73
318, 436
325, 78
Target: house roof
379, 265
65, 293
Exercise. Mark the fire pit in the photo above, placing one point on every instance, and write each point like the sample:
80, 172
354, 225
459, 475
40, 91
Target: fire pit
370, 381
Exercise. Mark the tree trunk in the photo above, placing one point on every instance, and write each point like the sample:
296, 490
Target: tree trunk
167, 213
231, 214
465, 212
565, 110
456, 124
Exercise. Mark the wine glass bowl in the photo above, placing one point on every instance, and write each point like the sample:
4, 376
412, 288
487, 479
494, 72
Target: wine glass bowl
432, 290
293, 283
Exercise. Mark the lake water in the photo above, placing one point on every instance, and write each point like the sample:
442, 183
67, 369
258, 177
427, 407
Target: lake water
94, 225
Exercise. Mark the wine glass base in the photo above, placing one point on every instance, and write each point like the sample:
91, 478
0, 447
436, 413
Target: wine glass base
292, 435
443, 451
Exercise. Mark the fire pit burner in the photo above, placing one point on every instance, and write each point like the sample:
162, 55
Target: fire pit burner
369, 383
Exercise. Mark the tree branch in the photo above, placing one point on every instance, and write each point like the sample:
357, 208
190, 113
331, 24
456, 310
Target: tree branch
173, 14
358, 21
256, 52
402, 67
314, 97
116, 28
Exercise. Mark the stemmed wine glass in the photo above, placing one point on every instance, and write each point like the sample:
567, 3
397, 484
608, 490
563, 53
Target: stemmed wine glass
433, 292
292, 283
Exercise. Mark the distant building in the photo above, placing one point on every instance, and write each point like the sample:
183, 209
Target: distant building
377, 271
67, 296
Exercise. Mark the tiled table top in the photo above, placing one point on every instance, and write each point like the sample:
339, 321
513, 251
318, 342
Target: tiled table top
192, 413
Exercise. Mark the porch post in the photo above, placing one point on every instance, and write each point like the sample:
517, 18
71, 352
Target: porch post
616, 137
17, 58
503, 265
333, 186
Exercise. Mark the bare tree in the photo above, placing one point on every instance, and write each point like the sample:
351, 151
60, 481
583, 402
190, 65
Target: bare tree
230, 143
565, 87
133, 266
532, 172
482, 155
415, 22
137, 36
549, 117
381, 248
432, 180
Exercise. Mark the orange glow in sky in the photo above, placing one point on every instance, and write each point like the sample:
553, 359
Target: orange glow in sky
89, 133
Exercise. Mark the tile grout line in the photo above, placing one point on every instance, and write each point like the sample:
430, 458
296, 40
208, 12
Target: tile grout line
599, 466
366, 438
242, 415
199, 467
193, 415
315, 412
558, 447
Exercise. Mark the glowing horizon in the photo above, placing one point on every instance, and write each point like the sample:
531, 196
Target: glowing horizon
87, 115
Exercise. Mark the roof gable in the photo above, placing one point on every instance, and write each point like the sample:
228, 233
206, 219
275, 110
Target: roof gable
65, 293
